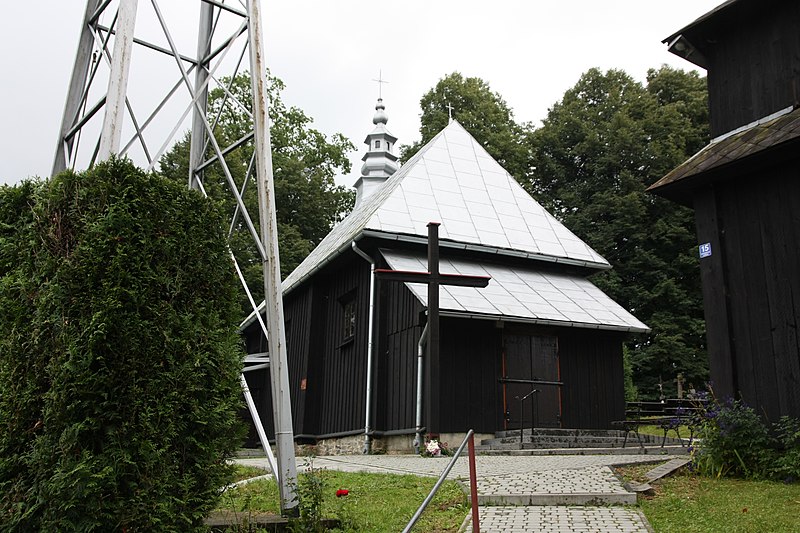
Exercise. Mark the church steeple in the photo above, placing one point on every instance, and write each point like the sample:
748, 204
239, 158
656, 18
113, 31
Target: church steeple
379, 161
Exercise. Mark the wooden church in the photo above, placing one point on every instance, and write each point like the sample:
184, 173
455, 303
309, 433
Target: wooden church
354, 341
745, 190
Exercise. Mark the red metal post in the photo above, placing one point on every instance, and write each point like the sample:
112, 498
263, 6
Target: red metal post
473, 485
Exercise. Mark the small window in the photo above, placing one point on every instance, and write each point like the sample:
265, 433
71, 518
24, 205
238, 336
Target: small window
389, 147
377, 144
349, 318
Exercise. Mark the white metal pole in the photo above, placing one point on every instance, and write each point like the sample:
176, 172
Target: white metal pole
80, 72
118, 80
201, 90
279, 374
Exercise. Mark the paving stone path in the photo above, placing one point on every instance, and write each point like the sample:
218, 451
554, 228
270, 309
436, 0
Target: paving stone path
548, 494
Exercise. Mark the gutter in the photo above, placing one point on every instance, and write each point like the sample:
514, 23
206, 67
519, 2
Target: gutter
418, 440
370, 332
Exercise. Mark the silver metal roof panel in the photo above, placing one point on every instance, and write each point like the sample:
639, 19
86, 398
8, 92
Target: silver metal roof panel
453, 180
521, 294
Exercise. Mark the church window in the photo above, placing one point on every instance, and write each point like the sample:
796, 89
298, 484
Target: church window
349, 317
377, 144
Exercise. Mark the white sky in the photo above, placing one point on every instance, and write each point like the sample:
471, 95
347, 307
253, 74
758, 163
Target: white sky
328, 53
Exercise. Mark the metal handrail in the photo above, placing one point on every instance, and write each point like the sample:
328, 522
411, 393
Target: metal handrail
472, 484
522, 417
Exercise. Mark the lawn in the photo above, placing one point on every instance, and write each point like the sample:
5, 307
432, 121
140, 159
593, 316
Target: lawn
687, 503
375, 502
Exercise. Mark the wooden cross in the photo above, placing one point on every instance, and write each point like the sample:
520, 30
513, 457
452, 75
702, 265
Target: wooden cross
680, 380
449, 113
380, 81
433, 278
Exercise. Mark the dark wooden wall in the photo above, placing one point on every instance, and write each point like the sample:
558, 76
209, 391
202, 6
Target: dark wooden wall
399, 330
469, 391
751, 287
339, 386
334, 368
753, 64
593, 394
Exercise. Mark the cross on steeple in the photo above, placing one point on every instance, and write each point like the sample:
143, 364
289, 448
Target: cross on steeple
449, 113
380, 81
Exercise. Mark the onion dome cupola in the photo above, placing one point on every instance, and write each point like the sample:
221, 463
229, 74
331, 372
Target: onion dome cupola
379, 161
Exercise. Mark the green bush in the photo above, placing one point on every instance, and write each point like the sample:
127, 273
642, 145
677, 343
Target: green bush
787, 463
735, 442
119, 359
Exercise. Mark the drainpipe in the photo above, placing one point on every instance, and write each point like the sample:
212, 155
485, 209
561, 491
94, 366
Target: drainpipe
370, 328
420, 350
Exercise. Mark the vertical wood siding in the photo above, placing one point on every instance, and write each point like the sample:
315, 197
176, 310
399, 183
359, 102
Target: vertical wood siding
754, 67
758, 271
593, 394
396, 357
470, 396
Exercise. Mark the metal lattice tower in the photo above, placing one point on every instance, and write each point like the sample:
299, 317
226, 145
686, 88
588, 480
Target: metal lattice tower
117, 66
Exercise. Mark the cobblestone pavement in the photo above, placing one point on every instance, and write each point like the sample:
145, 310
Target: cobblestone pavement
541, 489
562, 519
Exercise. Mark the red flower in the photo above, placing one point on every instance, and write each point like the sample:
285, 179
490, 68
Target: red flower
342, 492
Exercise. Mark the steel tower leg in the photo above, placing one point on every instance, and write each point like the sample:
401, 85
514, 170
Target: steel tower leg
200, 77
80, 73
279, 374
111, 134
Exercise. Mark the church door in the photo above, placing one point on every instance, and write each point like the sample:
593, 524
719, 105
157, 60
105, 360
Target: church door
531, 358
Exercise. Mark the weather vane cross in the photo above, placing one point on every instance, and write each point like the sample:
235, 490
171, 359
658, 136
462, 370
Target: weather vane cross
380, 81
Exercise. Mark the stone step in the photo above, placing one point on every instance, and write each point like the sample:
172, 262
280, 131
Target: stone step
552, 441
586, 486
561, 431
629, 450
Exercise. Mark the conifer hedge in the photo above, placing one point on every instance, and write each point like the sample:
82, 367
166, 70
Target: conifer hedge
119, 356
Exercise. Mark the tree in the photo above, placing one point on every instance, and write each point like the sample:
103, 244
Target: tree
119, 359
307, 200
482, 112
597, 151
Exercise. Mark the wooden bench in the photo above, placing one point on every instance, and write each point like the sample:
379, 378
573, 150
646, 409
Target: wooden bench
669, 415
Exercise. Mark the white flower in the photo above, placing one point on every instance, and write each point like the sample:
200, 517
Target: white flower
433, 447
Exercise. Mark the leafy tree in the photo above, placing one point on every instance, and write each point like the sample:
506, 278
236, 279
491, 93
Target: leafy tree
119, 359
307, 200
597, 151
482, 112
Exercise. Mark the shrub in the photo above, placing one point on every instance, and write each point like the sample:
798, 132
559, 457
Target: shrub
119, 359
735, 442
787, 464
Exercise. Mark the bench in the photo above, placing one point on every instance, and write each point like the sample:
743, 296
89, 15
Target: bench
669, 415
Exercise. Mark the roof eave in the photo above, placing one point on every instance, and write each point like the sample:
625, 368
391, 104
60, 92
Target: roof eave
543, 321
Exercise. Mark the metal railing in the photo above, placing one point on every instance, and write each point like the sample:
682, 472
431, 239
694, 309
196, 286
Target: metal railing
522, 417
473, 484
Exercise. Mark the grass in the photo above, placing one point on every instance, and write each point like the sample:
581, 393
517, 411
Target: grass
375, 503
683, 431
687, 503
247, 471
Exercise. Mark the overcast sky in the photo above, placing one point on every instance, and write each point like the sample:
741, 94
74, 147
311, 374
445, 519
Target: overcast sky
328, 53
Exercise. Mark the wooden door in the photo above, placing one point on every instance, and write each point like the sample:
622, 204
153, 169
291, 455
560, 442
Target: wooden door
531, 358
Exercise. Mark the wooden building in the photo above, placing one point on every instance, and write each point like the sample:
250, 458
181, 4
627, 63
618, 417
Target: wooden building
745, 190
539, 320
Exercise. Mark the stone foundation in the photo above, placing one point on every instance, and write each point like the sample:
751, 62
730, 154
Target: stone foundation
386, 445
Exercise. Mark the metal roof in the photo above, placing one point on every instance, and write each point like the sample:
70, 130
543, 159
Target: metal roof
748, 141
520, 294
454, 181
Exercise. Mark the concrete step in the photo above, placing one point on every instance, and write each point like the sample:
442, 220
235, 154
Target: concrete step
629, 450
586, 486
561, 431
551, 441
